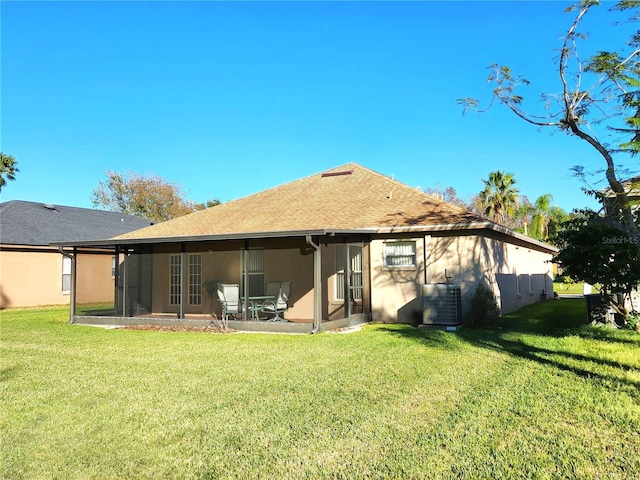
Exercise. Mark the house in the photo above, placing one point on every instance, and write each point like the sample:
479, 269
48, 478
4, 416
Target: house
32, 272
355, 245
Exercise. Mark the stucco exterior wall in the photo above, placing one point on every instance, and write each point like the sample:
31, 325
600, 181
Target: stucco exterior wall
35, 278
288, 265
396, 293
465, 260
471, 259
94, 282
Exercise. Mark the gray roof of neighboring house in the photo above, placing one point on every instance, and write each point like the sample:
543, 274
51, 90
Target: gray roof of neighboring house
38, 224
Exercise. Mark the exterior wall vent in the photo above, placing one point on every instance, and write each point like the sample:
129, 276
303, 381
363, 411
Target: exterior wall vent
441, 304
337, 174
48, 206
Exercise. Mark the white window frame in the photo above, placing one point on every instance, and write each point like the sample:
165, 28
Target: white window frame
66, 275
400, 254
195, 279
175, 279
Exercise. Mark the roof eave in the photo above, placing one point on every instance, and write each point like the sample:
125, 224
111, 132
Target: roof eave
221, 237
469, 226
315, 232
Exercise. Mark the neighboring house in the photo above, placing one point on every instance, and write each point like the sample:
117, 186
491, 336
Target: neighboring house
32, 272
355, 245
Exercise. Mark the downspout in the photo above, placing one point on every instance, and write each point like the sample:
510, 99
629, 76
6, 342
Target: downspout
72, 298
317, 281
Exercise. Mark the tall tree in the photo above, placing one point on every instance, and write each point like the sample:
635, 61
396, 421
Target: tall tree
500, 196
149, 197
557, 216
8, 169
598, 102
541, 217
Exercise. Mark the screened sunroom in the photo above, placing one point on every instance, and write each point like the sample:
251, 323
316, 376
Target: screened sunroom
178, 283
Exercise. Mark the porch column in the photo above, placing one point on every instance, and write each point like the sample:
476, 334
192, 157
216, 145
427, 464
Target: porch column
317, 288
125, 266
72, 297
116, 280
183, 278
74, 283
347, 279
245, 281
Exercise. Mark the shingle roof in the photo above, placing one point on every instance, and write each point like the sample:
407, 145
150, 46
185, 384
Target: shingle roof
345, 198
37, 224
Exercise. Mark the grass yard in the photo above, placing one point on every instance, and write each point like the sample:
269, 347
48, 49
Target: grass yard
536, 397
572, 288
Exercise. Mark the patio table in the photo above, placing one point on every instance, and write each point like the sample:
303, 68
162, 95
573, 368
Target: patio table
255, 304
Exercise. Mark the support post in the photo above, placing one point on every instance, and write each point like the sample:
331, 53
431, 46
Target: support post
74, 284
245, 280
183, 278
317, 285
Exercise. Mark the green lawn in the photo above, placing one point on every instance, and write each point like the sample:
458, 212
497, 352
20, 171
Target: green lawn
536, 397
572, 288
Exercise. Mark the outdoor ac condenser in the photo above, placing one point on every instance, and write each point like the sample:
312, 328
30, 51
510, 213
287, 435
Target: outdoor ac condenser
441, 304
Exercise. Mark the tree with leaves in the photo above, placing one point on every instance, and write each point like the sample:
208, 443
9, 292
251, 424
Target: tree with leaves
149, 197
598, 100
499, 198
541, 217
8, 169
596, 250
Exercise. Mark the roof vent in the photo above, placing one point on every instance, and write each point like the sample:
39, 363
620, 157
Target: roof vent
337, 174
48, 206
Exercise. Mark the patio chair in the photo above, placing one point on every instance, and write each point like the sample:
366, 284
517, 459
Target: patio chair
280, 304
229, 298
272, 290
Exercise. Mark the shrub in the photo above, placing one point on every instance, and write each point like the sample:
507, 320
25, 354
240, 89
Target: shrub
633, 322
483, 307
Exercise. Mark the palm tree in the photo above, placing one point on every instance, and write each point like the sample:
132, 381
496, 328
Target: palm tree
499, 197
8, 169
541, 217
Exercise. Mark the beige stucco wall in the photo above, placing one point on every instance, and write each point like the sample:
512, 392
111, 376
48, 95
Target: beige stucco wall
467, 260
35, 278
396, 293
288, 265
471, 259
94, 282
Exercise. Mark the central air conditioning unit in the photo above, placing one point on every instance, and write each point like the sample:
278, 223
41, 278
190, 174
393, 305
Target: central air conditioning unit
441, 304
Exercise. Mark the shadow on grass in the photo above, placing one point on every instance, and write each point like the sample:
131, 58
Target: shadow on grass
566, 361
522, 333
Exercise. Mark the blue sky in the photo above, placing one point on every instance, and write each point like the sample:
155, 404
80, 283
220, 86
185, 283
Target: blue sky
230, 98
